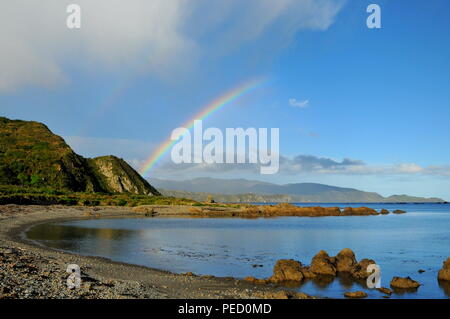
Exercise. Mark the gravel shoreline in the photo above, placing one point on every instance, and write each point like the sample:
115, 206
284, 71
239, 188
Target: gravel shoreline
28, 270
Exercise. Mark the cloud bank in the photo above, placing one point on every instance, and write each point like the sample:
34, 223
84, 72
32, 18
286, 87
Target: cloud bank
307, 164
158, 36
135, 152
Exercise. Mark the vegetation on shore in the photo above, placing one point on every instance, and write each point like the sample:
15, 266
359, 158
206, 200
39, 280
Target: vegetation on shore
25, 195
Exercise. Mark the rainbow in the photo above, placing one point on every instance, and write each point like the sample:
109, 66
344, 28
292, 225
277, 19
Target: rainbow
209, 109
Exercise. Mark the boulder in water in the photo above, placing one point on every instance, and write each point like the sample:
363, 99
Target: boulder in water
360, 269
404, 283
444, 273
355, 294
287, 270
322, 264
345, 260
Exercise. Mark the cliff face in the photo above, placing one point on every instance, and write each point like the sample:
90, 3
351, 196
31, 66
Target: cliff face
31, 155
116, 176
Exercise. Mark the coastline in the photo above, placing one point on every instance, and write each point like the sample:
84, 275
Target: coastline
42, 270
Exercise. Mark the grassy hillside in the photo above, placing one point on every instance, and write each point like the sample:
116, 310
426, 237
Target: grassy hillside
32, 156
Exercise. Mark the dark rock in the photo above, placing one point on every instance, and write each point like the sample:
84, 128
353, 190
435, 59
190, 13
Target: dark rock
345, 260
384, 212
384, 290
355, 294
322, 264
444, 273
210, 200
287, 270
404, 283
307, 273
360, 270
399, 211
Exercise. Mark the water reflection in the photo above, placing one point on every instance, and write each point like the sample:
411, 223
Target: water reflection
54, 232
347, 281
102, 241
230, 246
445, 286
322, 281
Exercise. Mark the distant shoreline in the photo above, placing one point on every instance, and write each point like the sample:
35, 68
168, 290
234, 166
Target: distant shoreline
349, 203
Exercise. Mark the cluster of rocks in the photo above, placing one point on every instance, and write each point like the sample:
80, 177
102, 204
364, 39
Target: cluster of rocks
285, 209
322, 264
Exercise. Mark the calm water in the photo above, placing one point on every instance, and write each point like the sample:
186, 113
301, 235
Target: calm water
400, 244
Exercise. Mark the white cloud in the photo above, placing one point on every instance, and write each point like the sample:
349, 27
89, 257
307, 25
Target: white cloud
304, 164
158, 36
301, 104
409, 168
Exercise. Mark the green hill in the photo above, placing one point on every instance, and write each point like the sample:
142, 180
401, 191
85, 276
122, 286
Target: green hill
31, 155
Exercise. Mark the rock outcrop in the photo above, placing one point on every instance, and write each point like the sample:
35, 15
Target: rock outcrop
359, 211
355, 294
360, 270
404, 283
399, 211
385, 290
116, 176
323, 264
345, 260
287, 270
444, 273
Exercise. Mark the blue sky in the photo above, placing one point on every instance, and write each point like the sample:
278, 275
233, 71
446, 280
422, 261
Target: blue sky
379, 97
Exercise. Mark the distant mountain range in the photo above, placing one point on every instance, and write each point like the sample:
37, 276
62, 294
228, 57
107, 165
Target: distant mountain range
243, 190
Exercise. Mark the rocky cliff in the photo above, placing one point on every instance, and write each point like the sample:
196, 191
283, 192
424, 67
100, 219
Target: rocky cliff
116, 176
31, 155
